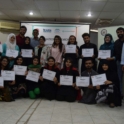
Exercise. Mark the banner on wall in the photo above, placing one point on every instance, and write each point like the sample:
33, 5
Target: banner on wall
49, 32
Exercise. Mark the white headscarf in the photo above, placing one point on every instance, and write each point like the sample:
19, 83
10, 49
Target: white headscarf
8, 42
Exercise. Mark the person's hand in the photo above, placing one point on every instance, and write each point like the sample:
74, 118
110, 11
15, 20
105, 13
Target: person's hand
55, 80
98, 87
26, 73
41, 78
90, 86
33, 54
77, 88
123, 68
56, 63
107, 82
12, 83
76, 50
93, 56
11, 58
59, 84
74, 85
20, 53
110, 59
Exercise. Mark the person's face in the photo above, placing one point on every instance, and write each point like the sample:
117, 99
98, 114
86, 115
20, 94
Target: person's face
51, 62
22, 31
35, 33
86, 39
105, 67
68, 63
41, 41
4, 62
12, 39
35, 61
88, 64
120, 34
107, 39
57, 41
27, 41
72, 40
19, 61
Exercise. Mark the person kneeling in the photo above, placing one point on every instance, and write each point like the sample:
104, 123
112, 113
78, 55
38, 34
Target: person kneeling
109, 92
48, 85
66, 89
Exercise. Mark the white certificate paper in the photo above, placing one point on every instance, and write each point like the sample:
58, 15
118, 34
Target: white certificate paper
27, 53
70, 48
12, 53
1, 82
82, 81
88, 52
1, 48
98, 79
8, 75
33, 76
66, 80
104, 54
20, 70
49, 75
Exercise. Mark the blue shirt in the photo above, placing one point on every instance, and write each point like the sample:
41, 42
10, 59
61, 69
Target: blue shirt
34, 42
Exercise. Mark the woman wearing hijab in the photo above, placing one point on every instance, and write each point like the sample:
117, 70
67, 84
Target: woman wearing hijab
110, 91
108, 45
10, 44
27, 45
42, 51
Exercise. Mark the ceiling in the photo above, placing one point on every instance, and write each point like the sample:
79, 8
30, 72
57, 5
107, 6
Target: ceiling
63, 10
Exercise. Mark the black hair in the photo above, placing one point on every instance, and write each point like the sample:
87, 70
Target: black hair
75, 43
60, 44
70, 61
36, 57
28, 39
88, 59
23, 27
120, 28
7, 66
35, 30
42, 38
53, 60
17, 59
85, 34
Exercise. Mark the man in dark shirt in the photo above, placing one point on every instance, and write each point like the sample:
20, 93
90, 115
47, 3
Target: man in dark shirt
20, 38
117, 53
88, 45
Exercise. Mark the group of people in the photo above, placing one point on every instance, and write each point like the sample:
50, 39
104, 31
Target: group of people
56, 59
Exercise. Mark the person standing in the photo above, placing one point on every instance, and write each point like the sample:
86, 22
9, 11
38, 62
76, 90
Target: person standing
35, 40
20, 38
88, 45
117, 53
57, 50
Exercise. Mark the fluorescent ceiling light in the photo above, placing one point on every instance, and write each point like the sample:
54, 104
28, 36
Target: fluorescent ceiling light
89, 15
31, 13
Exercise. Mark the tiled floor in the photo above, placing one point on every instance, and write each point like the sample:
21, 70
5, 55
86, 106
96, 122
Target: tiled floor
26, 111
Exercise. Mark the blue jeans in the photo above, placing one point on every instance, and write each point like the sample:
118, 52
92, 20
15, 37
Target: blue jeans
120, 75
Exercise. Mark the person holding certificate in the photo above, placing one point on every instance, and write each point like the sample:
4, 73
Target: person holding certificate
111, 90
89, 46
57, 50
108, 45
27, 46
89, 93
73, 56
49, 85
19, 88
10, 44
42, 51
67, 92
6, 89
34, 87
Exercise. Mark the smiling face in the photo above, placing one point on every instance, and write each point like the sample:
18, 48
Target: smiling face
120, 33
107, 39
35, 61
12, 39
88, 64
19, 61
41, 41
57, 41
27, 41
51, 62
72, 40
22, 31
105, 67
4, 62
86, 39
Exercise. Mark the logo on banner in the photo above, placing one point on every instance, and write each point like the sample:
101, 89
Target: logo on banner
57, 30
47, 30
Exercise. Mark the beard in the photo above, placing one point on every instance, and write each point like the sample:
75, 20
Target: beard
120, 36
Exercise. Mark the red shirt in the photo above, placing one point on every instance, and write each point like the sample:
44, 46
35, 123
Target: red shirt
20, 40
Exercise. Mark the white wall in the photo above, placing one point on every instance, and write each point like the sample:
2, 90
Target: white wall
111, 30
